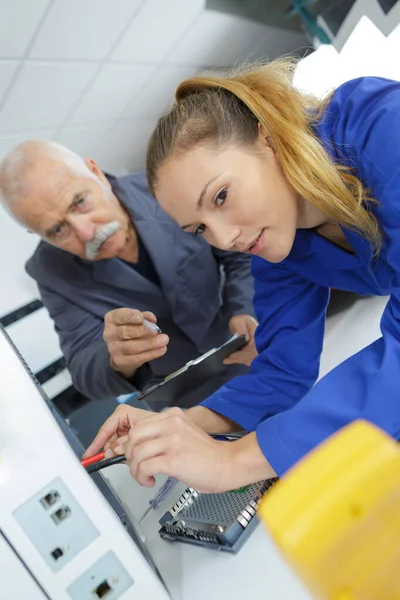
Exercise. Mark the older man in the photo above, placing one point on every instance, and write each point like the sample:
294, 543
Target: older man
108, 258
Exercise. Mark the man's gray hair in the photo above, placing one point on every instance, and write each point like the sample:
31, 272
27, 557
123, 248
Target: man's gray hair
16, 166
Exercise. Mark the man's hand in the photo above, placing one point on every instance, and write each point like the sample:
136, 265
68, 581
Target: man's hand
129, 342
243, 324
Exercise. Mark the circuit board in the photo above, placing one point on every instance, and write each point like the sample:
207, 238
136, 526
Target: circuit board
219, 521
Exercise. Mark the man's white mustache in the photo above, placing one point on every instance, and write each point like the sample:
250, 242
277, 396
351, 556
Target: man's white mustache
101, 235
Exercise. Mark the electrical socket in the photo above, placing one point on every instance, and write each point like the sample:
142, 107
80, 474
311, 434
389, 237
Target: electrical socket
107, 579
56, 524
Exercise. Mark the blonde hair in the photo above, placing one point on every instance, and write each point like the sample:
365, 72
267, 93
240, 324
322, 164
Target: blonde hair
222, 110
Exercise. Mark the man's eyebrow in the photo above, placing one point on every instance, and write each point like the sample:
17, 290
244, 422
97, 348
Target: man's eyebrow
77, 196
200, 201
52, 229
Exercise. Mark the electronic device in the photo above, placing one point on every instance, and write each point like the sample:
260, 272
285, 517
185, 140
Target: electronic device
219, 521
64, 535
194, 373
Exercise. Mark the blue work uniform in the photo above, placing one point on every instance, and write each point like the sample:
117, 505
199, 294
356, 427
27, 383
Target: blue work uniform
279, 398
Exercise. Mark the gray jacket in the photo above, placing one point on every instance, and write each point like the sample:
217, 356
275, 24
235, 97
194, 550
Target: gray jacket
202, 288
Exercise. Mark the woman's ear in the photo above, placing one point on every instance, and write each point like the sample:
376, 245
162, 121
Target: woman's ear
265, 139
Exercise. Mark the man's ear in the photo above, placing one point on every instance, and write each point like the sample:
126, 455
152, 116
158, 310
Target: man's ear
265, 139
95, 169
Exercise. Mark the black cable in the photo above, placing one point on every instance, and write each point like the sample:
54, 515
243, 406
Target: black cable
115, 460
107, 462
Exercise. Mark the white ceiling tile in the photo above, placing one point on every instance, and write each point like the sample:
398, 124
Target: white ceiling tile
18, 22
43, 95
218, 39
110, 92
7, 71
136, 158
158, 93
123, 148
8, 142
156, 29
82, 30
83, 139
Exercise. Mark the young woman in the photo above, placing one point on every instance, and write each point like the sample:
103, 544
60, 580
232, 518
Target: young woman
312, 191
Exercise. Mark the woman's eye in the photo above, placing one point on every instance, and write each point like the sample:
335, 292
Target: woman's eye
200, 229
80, 202
221, 197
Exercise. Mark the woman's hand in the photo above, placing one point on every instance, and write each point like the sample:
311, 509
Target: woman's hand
171, 444
117, 426
112, 435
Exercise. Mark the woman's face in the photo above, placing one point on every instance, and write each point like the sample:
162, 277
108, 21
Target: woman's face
235, 198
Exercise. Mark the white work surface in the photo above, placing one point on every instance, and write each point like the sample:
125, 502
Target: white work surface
195, 573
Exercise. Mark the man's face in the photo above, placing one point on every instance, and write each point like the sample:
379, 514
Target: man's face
73, 211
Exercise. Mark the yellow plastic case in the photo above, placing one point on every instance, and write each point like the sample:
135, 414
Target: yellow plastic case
336, 516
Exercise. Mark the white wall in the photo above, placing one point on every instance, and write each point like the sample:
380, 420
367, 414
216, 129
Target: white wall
95, 75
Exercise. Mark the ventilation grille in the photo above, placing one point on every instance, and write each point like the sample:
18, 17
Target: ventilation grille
223, 509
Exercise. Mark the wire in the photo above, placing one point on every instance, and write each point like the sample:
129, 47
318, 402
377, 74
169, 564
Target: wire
102, 464
96, 462
85, 462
